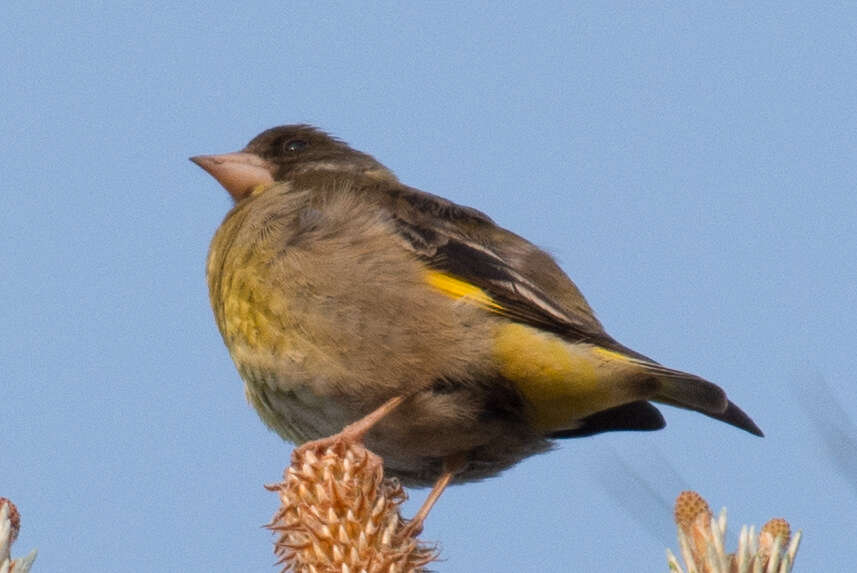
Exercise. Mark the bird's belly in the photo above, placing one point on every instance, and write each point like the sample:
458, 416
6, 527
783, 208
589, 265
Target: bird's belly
295, 411
415, 439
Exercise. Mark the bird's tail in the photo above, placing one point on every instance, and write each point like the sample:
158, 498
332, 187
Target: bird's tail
575, 388
689, 391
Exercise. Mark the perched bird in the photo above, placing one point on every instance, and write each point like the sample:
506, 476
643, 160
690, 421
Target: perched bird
336, 288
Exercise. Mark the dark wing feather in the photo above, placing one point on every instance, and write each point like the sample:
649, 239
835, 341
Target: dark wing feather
525, 281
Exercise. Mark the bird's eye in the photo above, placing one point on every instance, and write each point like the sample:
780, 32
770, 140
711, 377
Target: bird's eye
295, 145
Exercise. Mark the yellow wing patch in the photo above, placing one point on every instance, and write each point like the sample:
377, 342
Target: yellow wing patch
458, 289
610, 354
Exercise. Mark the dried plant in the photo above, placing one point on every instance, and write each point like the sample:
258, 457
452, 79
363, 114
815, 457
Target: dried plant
701, 539
339, 513
10, 524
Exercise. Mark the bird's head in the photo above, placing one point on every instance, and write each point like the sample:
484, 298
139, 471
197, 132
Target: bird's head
284, 152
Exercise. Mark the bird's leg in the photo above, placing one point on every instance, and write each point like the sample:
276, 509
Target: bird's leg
355, 432
451, 466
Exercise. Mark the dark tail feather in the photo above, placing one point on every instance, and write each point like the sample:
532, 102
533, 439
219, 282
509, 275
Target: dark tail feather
640, 416
736, 417
694, 393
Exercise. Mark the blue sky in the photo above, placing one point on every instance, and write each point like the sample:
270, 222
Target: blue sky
691, 167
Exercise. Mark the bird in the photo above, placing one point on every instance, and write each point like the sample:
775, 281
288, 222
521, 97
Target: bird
340, 291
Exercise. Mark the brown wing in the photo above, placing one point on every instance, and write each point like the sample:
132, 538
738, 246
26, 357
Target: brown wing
526, 282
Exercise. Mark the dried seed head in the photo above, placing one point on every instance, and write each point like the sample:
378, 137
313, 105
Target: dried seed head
14, 519
702, 542
688, 507
776, 528
338, 512
693, 516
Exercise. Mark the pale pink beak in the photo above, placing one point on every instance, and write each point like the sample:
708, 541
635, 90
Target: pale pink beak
238, 172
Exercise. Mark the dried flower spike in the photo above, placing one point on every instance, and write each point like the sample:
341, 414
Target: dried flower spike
701, 538
688, 506
10, 524
773, 538
14, 519
693, 517
339, 513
